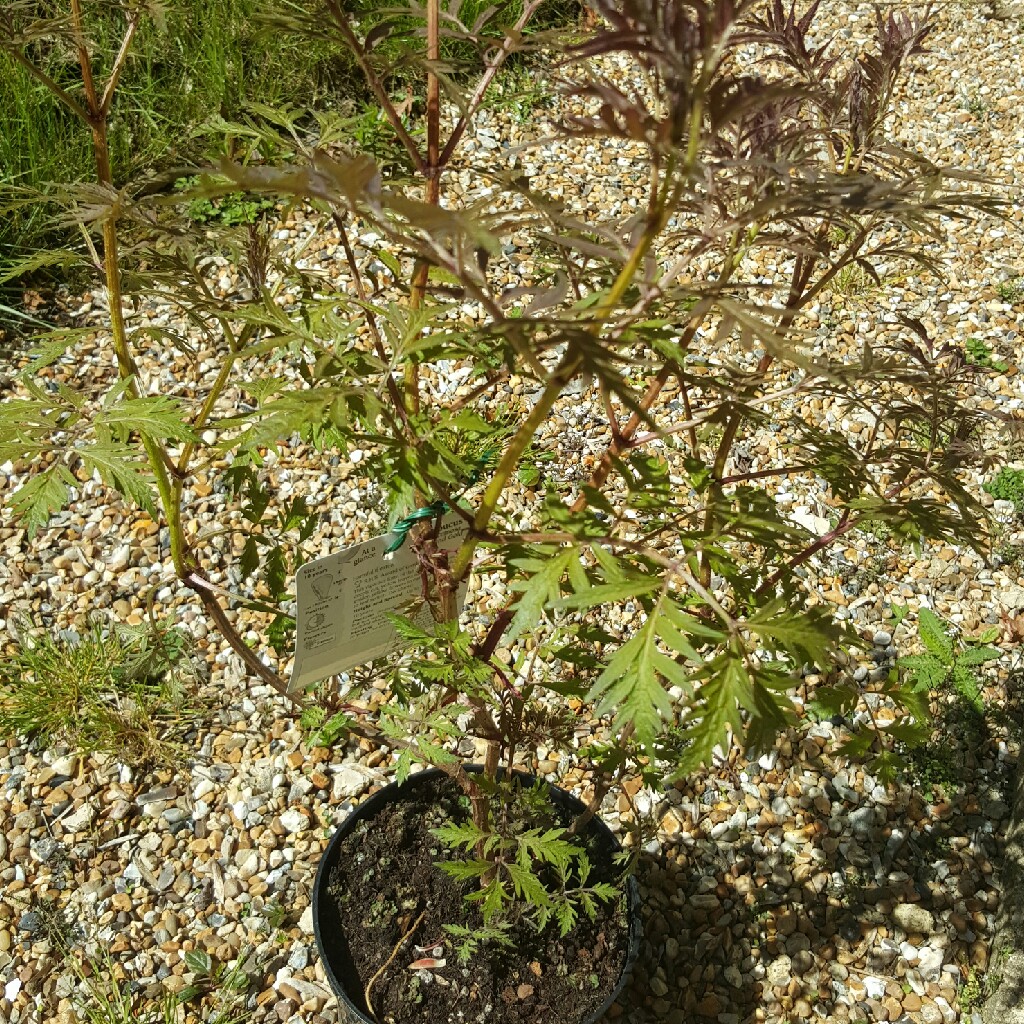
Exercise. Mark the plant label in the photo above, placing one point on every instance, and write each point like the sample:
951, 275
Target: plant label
343, 602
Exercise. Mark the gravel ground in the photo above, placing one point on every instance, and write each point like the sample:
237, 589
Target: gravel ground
790, 888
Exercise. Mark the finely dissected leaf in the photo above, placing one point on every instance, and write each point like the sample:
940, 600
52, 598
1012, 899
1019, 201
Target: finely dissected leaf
120, 467
857, 746
465, 869
42, 495
978, 655
494, 897
768, 711
608, 593
527, 885
928, 671
249, 561
565, 914
543, 587
933, 635
408, 631
807, 635
716, 711
547, 847
968, 687
915, 703
466, 835
158, 416
403, 766
631, 684
835, 700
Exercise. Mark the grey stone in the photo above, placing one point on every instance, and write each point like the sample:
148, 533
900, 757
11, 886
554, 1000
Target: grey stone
30, 922
913, 918
155, 795
294, 820
779, 972
862, 821
167, 875
47, 849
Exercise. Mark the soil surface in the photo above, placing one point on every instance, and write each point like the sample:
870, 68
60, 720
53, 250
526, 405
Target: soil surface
386, 877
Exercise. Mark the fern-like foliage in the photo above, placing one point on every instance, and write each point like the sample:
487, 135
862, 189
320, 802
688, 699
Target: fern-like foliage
536, 874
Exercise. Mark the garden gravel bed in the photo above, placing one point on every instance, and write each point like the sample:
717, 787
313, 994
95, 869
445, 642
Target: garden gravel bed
789, 888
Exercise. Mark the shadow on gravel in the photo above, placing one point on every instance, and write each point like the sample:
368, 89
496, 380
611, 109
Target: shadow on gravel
823, 904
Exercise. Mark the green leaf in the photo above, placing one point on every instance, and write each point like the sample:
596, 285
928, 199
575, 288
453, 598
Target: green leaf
888, 766
119, 467
279, 636
159, 416
465, 869
548, 847
527, 885
835, 700
607, 593
806, 635
408, 631
250, 559
968, 687
466, 835
928, 671
716, 711
899, 613
631, 683
42, 495
978, 655
856, 747
542, 588
565, 914
494, 896
933, 635
403, 766
199, 962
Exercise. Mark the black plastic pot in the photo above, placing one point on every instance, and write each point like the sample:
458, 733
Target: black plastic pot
334, 945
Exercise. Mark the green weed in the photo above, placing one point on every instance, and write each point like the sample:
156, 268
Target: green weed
979, 354
949, 661
200, 59
1012, 290
223, 985
231, 210
972, 991
118, 690
1008, 485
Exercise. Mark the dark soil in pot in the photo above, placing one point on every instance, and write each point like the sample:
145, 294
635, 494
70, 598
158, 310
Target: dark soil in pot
379, 876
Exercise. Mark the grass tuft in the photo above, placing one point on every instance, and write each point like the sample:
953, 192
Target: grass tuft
122, 691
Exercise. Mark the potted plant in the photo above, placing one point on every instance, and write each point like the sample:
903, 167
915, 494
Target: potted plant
646, 582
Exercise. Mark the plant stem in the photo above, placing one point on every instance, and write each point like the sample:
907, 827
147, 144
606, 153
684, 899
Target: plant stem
127, 370
480, 92
341, 19
845, 525
249, 657
602, 786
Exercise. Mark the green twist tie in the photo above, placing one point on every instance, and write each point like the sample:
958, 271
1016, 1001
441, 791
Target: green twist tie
438, 508
403, 526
